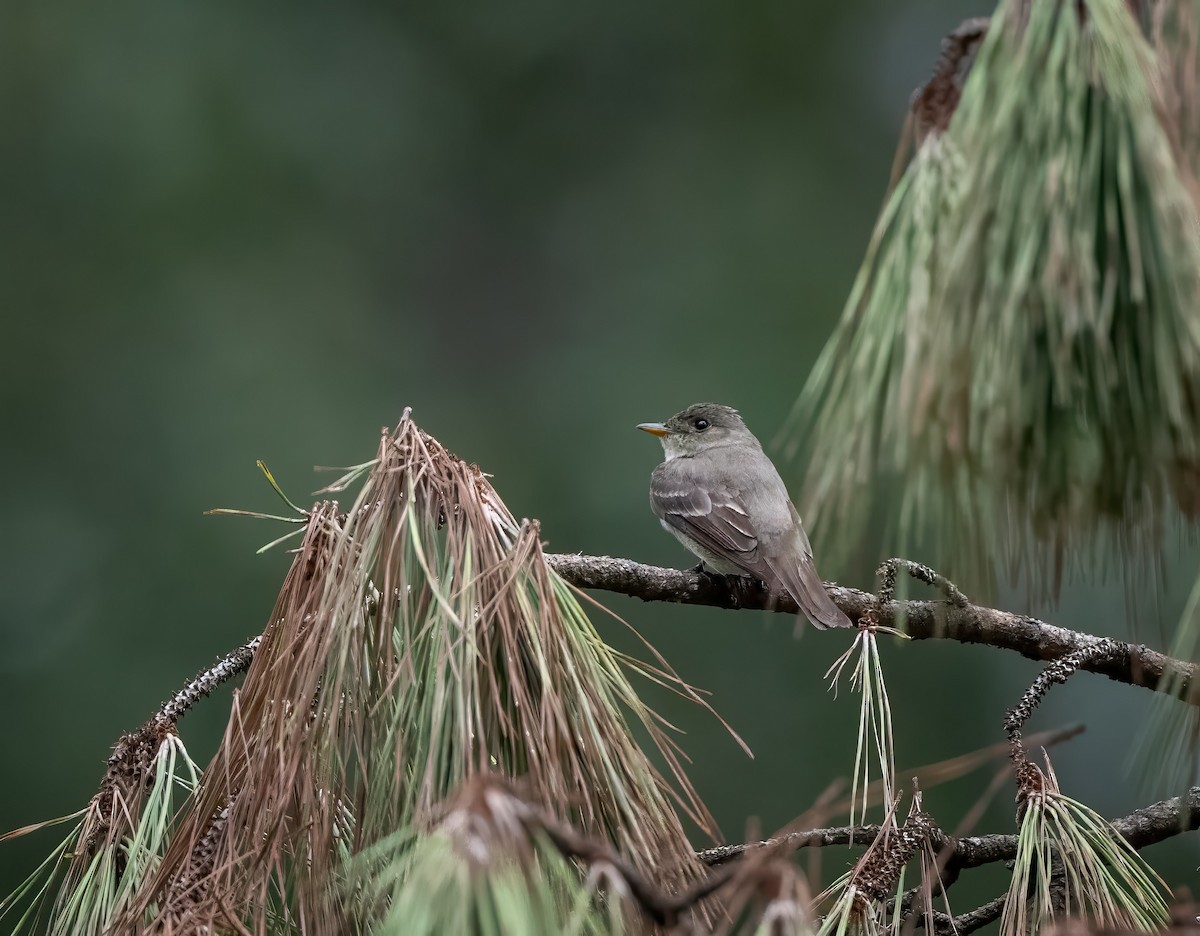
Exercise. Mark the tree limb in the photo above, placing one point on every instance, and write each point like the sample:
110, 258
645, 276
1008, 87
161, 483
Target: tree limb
1134, 664
1142, 827
972, 920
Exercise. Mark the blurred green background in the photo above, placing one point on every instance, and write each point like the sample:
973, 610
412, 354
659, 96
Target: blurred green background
234, 231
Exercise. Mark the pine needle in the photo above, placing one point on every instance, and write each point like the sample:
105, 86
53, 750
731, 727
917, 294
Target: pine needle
874, 721
1072, 863
1165, 756
121, 837
420, 640
32, 893
863, 895
852, 914
1018, 362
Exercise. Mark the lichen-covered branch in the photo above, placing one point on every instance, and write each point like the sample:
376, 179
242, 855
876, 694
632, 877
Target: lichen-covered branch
965, 622
1142, 827
813, 838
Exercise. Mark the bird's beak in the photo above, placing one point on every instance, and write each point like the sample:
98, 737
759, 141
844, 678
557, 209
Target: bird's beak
657, 429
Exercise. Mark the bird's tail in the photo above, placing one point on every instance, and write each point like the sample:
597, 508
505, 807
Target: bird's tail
805, 586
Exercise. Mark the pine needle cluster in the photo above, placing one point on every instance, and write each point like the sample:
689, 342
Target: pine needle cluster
1017, 369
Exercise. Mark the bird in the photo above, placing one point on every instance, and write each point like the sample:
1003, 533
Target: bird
721, 496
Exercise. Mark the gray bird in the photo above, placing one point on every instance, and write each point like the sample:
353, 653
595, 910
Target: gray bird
720, 495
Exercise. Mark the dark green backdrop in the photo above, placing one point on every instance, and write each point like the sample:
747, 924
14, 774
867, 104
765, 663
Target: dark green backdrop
231, 231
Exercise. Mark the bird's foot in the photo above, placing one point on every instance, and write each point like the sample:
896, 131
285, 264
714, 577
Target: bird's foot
702, 569
735, 585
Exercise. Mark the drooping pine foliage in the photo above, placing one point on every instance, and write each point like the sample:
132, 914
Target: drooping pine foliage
420, 640
1018, 365
1072, 864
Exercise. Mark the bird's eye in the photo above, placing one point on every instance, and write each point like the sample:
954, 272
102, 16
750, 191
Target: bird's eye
700, 424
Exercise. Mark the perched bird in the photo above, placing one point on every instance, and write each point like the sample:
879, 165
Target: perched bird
721, 496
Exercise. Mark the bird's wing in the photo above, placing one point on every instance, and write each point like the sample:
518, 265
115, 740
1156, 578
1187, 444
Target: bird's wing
716, 520
802, 582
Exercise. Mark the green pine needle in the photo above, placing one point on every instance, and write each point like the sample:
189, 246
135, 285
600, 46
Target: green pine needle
33, 892
1017, 362
95, 889
874, 721
481, 870
262, 466
1070, 858
852, 914
1165, 756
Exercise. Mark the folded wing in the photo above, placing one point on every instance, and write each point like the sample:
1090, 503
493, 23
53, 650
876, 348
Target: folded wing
718, 522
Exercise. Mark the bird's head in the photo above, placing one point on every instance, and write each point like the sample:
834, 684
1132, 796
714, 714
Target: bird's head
700, 426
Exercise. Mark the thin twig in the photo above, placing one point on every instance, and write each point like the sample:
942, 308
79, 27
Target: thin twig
970, 921
886, 574
955, 618
1028, 776
129, 765
232, 664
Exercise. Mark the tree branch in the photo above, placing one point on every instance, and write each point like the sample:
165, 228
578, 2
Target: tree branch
232, 664
1142, 827
1134, 664
813, 838
972, 920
